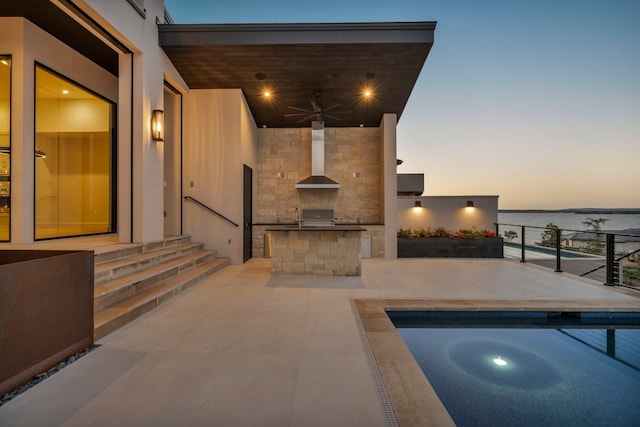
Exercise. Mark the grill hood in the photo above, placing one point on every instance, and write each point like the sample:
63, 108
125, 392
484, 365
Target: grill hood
317, 178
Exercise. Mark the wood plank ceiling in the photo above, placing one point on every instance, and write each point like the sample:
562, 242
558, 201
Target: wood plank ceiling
303, 64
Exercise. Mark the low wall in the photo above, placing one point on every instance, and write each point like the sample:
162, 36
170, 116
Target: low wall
449, 247
46, 311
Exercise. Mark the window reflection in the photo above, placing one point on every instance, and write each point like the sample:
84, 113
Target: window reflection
73, 159
5, 148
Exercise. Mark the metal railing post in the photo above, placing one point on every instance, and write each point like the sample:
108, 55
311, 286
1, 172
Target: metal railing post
610, 260
522, 259
558, 251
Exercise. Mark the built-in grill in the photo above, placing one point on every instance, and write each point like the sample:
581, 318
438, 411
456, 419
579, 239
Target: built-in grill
317, 218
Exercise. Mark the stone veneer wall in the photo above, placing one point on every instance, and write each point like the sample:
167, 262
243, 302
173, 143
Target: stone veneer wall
348, 151
322, 253
376, 232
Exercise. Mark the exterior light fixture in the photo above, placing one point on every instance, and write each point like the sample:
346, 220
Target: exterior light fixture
470, 204
417, 204
157, 125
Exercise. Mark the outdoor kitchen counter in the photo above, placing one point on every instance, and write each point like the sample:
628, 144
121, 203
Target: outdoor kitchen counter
318, 250
293, 227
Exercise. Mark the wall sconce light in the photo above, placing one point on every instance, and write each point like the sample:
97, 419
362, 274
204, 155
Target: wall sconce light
470, 204
157, 125
417, 204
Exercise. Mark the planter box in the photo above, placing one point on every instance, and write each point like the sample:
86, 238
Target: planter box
46, 311
449, 247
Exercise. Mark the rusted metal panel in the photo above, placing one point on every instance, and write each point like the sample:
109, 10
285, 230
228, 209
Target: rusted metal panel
46, 311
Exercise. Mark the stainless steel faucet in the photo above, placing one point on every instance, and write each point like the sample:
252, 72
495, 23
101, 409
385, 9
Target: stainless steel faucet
297, 217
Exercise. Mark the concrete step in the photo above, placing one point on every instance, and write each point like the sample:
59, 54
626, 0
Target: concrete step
120, 267
119, 289
119, 314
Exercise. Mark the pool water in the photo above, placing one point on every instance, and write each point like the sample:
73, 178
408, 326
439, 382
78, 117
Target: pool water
547, 370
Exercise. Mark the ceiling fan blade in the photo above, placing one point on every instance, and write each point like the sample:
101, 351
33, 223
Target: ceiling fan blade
331, 107
299, 109
316, 107
295, 114
307, 118
333, 117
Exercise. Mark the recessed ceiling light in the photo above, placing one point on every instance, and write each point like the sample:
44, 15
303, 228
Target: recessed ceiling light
65, 92
368, 93
267, 94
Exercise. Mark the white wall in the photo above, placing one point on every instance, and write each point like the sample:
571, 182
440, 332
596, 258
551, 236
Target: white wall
219, 137
150, 68
448, 211
390, 183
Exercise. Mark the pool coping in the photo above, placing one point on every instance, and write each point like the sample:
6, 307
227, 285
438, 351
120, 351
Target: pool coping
411, 396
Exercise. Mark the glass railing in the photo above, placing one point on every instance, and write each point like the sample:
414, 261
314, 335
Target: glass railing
609, 257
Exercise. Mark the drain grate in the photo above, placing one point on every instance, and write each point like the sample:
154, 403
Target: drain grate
381, 392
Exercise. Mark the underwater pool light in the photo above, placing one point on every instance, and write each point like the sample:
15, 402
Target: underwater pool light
500, 361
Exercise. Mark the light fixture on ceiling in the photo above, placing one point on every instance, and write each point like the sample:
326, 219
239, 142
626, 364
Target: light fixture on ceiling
470, 204
65, 92
266, 94
157, 125
260, 76
417, 204
4, 62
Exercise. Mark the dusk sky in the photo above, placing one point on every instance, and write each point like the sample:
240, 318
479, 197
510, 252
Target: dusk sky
537, 102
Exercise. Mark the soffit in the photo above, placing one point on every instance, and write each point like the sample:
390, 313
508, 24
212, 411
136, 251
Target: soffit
56, 22
297, 61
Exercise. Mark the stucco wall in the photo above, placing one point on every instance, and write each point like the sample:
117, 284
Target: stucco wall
219, 137
448, 211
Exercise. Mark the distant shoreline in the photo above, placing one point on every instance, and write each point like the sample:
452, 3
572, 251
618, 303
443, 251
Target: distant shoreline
598, 211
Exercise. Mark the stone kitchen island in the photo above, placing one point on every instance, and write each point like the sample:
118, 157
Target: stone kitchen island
318, 250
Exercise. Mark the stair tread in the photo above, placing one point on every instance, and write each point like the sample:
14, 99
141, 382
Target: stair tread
138, 276
143, 256
163, 287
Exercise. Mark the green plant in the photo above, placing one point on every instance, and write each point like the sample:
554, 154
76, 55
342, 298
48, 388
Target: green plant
510, 234
463, 233
597, 244
550, 235
404, 233
631, 274
421, 232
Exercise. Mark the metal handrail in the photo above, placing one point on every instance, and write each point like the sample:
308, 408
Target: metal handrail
568, 229
210, 210
611, 262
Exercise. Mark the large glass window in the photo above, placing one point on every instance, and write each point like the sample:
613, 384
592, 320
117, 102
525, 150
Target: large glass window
5, 148
75, 174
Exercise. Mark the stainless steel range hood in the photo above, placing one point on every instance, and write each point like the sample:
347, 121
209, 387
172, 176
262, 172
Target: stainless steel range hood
317, 178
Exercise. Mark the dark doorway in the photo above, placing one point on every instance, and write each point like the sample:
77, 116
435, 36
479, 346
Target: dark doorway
247, 236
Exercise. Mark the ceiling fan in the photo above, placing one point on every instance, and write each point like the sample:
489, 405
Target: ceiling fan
316, 112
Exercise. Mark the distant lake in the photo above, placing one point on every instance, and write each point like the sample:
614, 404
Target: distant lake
564, 220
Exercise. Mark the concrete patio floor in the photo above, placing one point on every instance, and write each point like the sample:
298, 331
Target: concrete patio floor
246, 348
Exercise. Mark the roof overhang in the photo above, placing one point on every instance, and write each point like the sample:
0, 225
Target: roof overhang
57, 20
297, 61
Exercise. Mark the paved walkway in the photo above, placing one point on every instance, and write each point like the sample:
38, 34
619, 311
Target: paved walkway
245, 348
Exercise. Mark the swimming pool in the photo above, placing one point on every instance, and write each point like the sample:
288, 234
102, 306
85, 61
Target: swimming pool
529, 368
